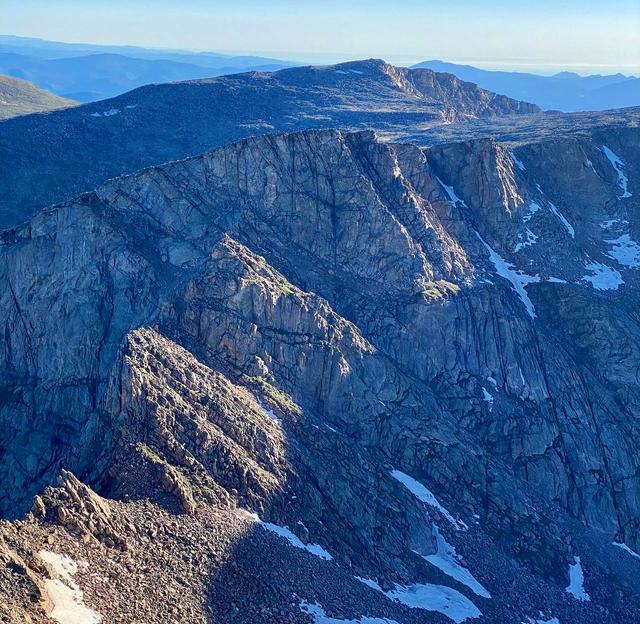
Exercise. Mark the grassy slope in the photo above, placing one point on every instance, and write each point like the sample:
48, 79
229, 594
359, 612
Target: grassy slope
19, 97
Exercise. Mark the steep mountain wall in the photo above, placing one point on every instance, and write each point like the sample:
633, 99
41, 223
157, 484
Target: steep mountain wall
294, 324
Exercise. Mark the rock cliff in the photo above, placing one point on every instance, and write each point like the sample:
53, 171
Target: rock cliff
315, 375
50, 158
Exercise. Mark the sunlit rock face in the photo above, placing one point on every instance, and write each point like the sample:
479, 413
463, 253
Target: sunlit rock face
66, 153
345, 378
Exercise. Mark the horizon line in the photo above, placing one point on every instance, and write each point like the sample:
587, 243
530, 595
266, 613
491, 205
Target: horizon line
331, 58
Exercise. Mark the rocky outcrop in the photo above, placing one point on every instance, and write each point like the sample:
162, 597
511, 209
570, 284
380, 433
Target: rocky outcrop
313, 326
119, 136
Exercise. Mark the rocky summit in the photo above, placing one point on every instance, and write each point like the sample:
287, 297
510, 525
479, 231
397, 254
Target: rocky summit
316, 377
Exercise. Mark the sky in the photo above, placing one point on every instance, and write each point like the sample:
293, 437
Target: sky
589, 36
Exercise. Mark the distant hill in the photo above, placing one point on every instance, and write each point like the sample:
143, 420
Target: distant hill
19, 97
158, 123
87, 72
565, 91
96, 76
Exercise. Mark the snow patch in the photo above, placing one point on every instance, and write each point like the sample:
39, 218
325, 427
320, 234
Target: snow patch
603, 277
533, 208
428, 597
447, 560
517, 162
269, 414
107, 113
453, 197
554, 209
64, 592
426, 496
518, 279
440, 598
607, 225
618, 165
291, 537
576, 581
565, 223
488, 397
530, 239
625, 251
624, 547
320, 616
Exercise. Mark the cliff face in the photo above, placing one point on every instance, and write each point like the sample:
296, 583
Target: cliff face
318, 327
49, 159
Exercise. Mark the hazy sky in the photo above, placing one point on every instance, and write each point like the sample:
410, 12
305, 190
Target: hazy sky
601, 35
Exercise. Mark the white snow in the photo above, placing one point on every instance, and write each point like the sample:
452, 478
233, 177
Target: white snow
339, 71
518, 279
493, 382
447, 560
64, 592
554, 209
533, 208
606, 225
430, 597
453, 197
291, 537
517, 162
487, 396
107, 113
530, 240
576, 581
320, 616
603, 277
426, 496
625, 251
551, 621
567, 225
370, 583
633, 553
618, 165
269, 414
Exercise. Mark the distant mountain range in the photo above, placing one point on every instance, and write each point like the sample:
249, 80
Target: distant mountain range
87, 72
566, 91
19, 97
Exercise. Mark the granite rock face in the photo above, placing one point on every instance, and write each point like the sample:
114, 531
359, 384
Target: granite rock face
63, 154
309, 326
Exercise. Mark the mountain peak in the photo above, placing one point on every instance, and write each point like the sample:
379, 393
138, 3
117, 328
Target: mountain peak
206, 113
